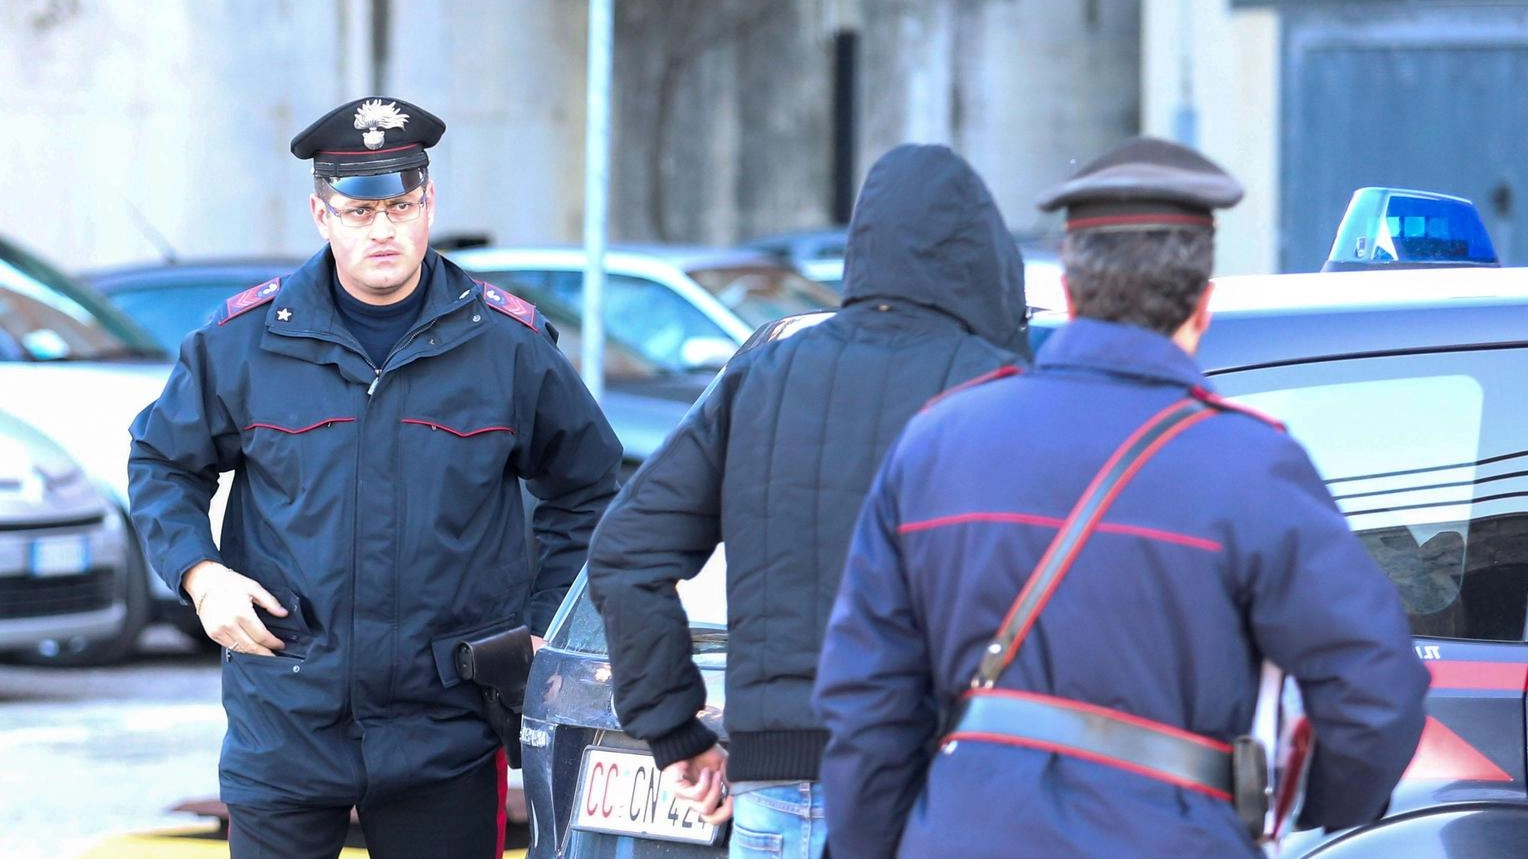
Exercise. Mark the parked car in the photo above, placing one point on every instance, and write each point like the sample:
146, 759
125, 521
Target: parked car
1408, 389
78, 371
64, 547
819, 256
169, 300
684, 308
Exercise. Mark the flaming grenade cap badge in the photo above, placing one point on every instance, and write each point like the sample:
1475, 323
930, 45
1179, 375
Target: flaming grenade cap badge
373, 117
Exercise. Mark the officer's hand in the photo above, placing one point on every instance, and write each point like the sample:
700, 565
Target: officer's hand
702, 781
225, 602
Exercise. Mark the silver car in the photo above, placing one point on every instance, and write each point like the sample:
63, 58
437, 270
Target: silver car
63, 547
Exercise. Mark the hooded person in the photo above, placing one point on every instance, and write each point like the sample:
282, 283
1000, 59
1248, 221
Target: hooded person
774, 462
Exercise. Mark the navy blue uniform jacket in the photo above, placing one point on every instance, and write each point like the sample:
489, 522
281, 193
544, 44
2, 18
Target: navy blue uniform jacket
387, 500
1224, 549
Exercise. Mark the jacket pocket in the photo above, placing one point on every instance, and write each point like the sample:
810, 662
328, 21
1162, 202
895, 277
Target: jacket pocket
443, 648
287, 453
467, 453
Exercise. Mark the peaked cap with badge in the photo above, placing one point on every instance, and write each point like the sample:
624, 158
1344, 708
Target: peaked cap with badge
1144, 183
371, 148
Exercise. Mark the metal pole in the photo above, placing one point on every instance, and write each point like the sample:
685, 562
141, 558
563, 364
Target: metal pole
596, 194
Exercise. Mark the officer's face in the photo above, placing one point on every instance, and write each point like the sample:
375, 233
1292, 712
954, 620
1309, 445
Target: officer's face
377, 263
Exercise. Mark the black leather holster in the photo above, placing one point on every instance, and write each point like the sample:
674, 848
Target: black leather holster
499, 664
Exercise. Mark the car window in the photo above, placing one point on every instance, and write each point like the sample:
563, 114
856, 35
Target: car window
45, 316
1427, 456
643, 315
761, 294
578, 626
170, 313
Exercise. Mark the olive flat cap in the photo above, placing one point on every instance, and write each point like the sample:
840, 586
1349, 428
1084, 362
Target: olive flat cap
372, 148
1144, 183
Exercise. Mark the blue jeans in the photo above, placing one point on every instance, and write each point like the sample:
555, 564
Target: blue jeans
777, 819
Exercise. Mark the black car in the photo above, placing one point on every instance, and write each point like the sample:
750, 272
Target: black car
1409, 389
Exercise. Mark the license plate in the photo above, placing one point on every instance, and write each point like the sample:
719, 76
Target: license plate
60, 556
625, 793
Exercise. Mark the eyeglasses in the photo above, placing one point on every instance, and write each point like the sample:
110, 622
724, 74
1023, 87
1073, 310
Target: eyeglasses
398, 211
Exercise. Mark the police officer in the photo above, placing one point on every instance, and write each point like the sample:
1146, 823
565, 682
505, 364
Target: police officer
379, 409
1224, 548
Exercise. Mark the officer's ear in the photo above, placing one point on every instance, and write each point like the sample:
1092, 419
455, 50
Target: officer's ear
1066, 294
320, 215
429, 214
1201, 317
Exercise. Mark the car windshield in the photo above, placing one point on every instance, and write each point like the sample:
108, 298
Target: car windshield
622, 363
46, 316
643, 316
171, 311
762, 293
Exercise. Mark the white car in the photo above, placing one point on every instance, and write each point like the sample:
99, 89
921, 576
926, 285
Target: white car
79, 371
688, 308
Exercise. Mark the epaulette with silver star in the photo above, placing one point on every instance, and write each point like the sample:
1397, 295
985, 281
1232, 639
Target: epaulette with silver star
513, 306
250, 298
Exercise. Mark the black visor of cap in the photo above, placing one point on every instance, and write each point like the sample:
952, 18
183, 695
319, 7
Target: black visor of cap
380, 186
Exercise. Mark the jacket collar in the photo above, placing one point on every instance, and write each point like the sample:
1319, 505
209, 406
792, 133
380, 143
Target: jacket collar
304, 323
1117, 349
306, 294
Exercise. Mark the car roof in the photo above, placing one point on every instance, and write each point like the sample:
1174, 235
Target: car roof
253, 269
1269, 320
684, 257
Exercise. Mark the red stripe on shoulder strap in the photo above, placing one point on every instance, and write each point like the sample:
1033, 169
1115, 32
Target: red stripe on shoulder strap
1214, 400
250, 298
1002, 372
510, 305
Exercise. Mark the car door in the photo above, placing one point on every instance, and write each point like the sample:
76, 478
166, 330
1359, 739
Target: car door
1427, 456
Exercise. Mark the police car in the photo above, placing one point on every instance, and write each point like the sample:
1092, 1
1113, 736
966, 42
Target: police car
1403, 368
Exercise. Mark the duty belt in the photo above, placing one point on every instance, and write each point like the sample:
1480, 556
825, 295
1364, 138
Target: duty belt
1097, 734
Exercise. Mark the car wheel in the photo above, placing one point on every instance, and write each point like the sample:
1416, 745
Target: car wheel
105, 651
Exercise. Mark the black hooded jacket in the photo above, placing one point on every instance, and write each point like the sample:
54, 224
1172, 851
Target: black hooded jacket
778, 456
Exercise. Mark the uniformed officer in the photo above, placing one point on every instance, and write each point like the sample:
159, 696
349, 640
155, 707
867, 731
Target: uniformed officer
379, 410
1223, 549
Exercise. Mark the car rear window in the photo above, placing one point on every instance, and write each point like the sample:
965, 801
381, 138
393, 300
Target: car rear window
1425, 455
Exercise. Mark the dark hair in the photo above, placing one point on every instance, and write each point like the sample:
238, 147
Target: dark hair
1150, 278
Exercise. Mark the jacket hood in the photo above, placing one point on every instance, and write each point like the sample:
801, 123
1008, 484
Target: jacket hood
926, 230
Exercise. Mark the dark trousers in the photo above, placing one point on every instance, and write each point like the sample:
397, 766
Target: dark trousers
458, 819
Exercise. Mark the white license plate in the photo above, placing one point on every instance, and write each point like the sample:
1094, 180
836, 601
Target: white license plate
60, 556
625, 793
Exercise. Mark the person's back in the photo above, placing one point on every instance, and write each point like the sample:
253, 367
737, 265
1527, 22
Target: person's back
1224, 548
777, 458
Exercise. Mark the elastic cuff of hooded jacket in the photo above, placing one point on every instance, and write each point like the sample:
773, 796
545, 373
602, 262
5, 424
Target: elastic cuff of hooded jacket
689, 740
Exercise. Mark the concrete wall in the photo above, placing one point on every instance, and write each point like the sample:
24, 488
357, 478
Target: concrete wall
131, 118
183, 111
1201, 58
1025, 90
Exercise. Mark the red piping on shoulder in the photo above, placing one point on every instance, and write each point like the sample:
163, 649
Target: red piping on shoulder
1215, 400
1002, 372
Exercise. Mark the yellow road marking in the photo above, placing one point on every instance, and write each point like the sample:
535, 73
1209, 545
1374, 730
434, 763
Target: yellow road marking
183, 844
